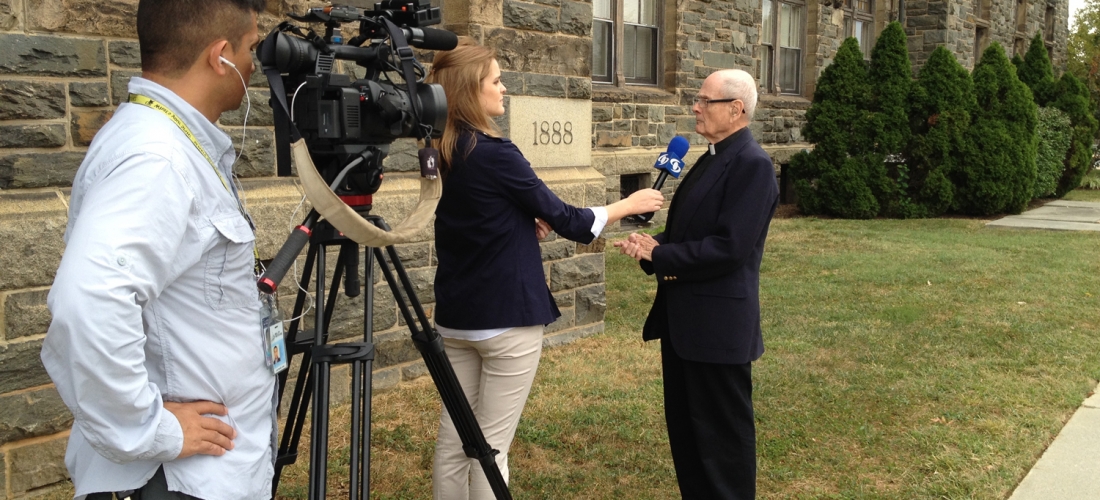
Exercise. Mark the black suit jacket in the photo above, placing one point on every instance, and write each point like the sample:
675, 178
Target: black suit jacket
708, 261
490, 273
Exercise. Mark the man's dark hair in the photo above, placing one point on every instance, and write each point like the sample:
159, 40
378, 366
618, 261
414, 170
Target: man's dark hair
171, 33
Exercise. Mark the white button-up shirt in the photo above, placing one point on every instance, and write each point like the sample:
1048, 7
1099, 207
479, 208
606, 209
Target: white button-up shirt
155, 301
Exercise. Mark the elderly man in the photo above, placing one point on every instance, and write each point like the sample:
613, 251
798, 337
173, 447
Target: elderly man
707, 309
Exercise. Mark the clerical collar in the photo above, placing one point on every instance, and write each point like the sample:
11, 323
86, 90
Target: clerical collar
725, 143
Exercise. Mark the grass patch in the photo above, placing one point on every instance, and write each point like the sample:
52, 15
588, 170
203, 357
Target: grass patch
905, 359
1082, 194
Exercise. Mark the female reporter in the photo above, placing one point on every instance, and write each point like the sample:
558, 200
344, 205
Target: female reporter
492, 301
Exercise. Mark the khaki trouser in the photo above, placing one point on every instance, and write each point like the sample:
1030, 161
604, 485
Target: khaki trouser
496, 375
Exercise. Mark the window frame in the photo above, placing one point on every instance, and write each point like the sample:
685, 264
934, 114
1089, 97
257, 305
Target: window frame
851, 16
770, 80
616, 51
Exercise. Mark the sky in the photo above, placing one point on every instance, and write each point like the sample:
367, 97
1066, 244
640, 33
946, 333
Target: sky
1073, 6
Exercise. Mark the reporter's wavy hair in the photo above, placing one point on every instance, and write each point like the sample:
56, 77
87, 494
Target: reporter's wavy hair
173, 33
460, 72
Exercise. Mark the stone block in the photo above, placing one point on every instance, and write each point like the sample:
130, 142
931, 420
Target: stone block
564, 322
37, 465
665, 132
32, 136
648, 141
127, 54
570, 335
657, 114
113, 18
545, 85
386, 379
552, 132
258, 158
621, 125
628, 111
513, 81
20, 366
557, 250
577, 271
580, 88
31, 228
576, 18
533, 52
120, 80
11, 15
39, 169
564, 299
528, 16
25, 314
601, 113
89, 94
403, 156
414, 370
591, 304
46, 55
718, 60
415, 255
86, 123
394, 348
259, 116
640, 127
21, 100
32, 414
613, 139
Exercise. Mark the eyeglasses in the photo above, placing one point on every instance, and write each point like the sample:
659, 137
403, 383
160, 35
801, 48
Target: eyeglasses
704, 102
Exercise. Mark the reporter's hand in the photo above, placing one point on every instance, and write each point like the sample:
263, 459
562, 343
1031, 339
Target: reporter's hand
645, 200
202, 435
542, 229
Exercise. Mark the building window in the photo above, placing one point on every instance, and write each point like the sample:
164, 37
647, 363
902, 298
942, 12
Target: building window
782, 41
1021, 16
1049, 23
625, 36
982, 8
859, 22
628, 184
981, 41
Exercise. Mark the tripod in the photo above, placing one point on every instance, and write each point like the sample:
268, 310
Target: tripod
318, 356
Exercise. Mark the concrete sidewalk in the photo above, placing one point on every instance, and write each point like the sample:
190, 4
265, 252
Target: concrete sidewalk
1070, 467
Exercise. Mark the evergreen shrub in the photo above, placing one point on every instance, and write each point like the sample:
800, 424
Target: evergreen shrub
1036, 71
888, 104
998, 173
832, 178
1072, 97
941, 105
1054, 131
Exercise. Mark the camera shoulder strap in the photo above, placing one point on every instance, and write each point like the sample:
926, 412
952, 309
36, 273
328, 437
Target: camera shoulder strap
404, 51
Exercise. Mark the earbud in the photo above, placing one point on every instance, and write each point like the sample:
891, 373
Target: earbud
227, 61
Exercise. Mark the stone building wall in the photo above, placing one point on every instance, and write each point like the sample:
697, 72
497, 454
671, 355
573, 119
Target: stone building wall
64, 68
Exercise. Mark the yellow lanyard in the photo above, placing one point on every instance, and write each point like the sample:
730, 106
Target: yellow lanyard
151, 103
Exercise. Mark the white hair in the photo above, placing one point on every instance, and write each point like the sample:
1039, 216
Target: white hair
739, 84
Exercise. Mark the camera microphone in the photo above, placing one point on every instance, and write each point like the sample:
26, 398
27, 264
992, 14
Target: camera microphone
431, 39
669, 162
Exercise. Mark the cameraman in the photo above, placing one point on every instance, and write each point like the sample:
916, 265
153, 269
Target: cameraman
492, 301
155, 344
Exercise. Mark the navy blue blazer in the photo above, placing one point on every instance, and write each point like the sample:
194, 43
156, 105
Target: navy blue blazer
490, 271
708, 267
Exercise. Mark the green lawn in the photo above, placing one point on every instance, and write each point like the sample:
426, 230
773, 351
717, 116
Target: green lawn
1083, 195
905, 359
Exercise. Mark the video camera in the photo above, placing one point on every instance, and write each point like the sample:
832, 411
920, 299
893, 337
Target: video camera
348, 124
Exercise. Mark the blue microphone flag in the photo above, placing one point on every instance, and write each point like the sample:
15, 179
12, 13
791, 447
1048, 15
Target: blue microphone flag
672, 160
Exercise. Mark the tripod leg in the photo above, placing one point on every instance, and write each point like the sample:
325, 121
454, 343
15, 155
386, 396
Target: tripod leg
430, 345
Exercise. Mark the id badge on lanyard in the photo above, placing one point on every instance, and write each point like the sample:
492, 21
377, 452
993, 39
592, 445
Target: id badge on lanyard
271, 329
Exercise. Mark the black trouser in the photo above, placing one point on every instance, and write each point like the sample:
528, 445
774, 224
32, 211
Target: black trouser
155, 489
708, 410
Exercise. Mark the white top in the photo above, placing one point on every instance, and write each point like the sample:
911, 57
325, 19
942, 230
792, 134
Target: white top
598, 224
155, 300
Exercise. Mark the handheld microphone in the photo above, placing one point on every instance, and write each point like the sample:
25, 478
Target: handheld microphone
670, 162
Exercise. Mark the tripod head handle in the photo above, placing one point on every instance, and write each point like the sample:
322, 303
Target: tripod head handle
293, 246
